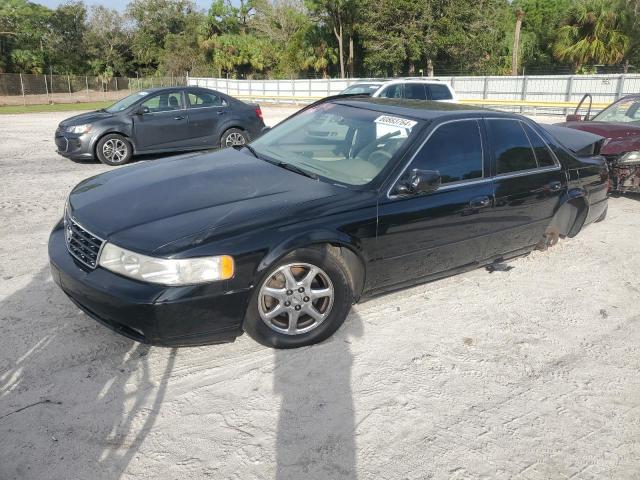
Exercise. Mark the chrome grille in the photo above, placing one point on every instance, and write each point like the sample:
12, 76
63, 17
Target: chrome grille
81, 243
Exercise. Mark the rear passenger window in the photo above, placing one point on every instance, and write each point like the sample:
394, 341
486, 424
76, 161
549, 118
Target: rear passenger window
415, 91
440, 92
543, 155
199, 99
511, 146
455, 150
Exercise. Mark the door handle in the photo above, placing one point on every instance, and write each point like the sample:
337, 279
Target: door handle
221, 112
179, 117
553, 186
480, 202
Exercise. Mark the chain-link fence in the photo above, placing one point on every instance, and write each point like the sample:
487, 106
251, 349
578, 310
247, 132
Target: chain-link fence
24, 89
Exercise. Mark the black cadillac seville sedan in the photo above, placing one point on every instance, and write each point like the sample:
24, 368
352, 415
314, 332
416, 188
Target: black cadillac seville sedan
350, 197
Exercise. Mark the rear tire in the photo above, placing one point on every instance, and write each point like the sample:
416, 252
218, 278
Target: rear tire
234, 137
114, 149
290, 311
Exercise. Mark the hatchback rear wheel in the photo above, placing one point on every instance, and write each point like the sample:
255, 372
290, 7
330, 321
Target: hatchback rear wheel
234, 137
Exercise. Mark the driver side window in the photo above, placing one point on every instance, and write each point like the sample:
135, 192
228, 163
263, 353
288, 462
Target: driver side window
164, 102
454, 150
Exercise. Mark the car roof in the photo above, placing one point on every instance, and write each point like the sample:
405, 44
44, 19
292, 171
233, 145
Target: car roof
415, 80
417, 109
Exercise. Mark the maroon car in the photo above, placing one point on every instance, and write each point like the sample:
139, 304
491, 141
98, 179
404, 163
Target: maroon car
619, 124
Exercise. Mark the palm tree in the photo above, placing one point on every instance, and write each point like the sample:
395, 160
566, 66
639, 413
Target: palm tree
591, 35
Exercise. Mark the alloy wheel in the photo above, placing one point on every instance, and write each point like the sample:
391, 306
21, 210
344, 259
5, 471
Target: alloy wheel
234, 139
114, 150
296, 298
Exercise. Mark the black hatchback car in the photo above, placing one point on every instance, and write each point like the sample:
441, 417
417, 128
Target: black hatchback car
347, 198
159, 120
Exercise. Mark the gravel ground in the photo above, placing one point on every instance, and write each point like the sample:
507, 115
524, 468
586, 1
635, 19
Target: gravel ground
530, 373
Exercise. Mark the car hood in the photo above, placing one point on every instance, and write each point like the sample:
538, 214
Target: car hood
88, 117
200, 197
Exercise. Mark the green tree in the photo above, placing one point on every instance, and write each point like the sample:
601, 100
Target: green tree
154, 20
108, 42
65, 38
22, 43
591, 35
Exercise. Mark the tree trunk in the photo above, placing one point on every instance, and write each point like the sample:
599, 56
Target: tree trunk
516, 43
338, 34
351, 57
429, 67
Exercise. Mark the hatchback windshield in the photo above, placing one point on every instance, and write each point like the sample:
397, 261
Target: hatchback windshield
126, 102
625, 110
346, 144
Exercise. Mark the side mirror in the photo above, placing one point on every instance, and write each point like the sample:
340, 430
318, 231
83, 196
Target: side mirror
142, 110
574, 118
419, 182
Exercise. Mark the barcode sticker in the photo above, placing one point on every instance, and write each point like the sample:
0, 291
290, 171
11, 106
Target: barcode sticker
395, 121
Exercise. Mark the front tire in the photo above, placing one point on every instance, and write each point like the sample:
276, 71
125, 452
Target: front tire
234, 137
114, 150
303, 299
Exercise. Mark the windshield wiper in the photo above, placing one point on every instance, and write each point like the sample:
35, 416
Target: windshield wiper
290, 167
252, 150
295, 169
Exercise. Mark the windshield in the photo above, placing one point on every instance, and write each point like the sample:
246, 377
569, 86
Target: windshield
625, 110
366, 88
126, 102
336, 142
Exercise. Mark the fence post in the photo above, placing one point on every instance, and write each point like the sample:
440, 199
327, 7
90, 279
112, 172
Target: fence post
567, 96
46, 87
86, 83
329, 87
309, 88
69, 85
523, 93
620, 88
250, 90
116, 84
485, 87
24, 99
293, 91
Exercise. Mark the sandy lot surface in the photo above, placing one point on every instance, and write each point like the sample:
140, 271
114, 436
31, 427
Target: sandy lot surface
530, 373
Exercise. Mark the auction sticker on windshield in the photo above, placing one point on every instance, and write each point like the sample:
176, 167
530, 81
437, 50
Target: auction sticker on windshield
395, 121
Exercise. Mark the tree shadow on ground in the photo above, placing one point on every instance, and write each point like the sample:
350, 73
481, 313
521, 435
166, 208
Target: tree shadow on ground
67, 381
316, 422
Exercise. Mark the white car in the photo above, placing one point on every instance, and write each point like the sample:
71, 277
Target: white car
416, 89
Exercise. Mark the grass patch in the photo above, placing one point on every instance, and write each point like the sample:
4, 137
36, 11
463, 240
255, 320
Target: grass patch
56, 107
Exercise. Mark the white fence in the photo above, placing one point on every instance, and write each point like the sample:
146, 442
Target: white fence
553, 94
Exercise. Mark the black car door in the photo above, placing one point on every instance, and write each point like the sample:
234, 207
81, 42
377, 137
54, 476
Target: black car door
161, 122
424, 235
205, 110
528, 185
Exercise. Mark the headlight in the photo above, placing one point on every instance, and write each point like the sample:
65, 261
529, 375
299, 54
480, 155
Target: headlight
630, 158
165, 271
79, 129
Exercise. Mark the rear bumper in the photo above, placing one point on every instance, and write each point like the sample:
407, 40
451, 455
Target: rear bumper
147, 313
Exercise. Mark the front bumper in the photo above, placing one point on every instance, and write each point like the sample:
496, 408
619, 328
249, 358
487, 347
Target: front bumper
147, 313
73, 146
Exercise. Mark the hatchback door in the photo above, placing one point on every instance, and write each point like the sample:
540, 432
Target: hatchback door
528, 185
205, 110
163, 123
421, 236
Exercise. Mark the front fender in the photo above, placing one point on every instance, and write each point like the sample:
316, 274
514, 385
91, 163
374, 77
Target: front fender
307, 239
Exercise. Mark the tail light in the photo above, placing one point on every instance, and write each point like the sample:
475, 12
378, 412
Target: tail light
259, 113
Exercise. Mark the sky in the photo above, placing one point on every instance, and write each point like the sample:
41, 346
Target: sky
117, 4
